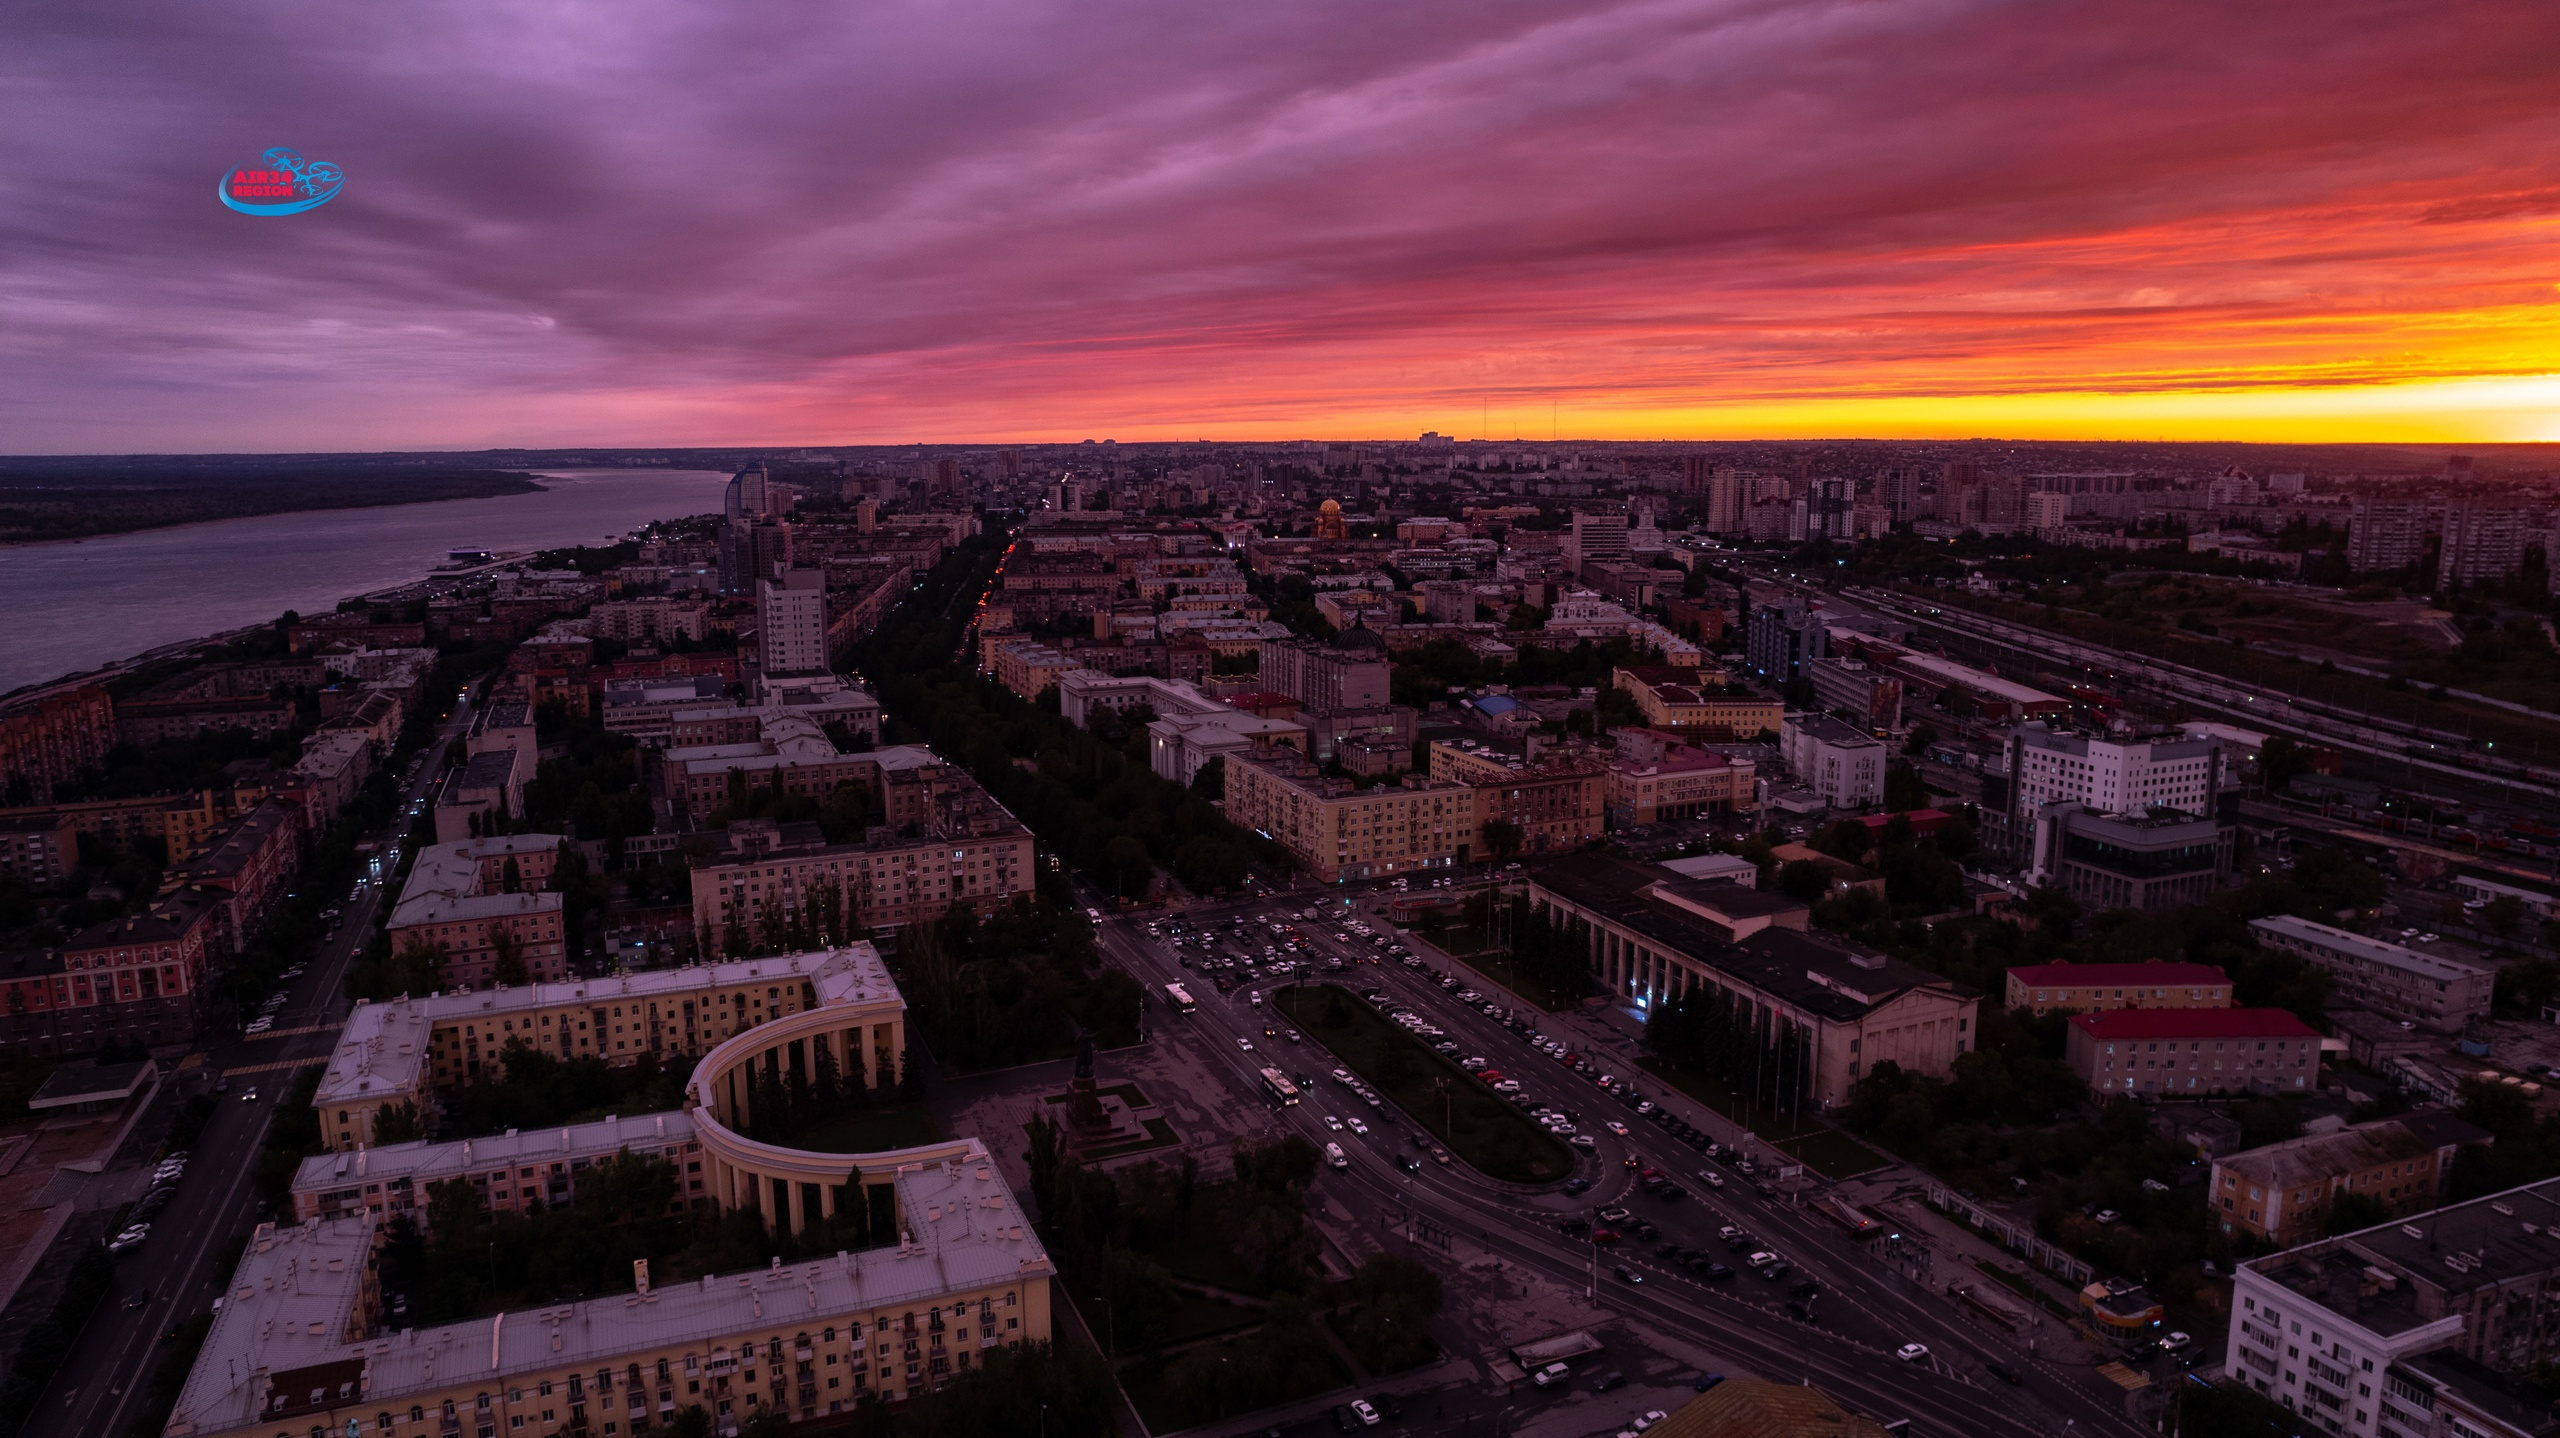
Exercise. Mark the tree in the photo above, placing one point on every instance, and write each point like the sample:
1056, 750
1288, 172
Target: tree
397, 1123
2351, 1211
510, 877
1803, 879
1903, 789
507, 964
1502, 838
2505, 916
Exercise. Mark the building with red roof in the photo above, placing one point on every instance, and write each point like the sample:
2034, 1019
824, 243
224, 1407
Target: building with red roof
2092, 988
2191, 1053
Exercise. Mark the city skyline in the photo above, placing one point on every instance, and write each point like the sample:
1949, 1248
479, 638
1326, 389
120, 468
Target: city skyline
2159, 221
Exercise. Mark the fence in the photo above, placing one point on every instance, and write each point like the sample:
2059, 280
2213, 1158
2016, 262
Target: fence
2016, 1237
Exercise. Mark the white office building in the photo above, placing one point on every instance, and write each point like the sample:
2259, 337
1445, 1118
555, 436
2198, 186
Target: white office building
791, 622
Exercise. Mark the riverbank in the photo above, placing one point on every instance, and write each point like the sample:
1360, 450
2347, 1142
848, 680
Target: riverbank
79, 607
41, 506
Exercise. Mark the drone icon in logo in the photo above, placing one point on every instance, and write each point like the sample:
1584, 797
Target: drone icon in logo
282, 183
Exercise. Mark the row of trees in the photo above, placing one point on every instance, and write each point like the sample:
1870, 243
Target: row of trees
1553, 953
1017, 986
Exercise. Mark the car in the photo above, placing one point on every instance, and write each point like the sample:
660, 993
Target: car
1583, 1140
1711, 1178
1616, 1127
1333, 1124
1578, 1185
249, 1094
2005, 1373
2106, 1215
1706, 1381
1440, 1156
140, 1297
1648, 1419
1551, 1376
1608, 1381
1359, 1127
1912, 1352
1626, 1274
1361, 1409
1618, 1213
2174, 1342
1408, 1163
1713, 1272
1386, 1404
1343, 1422
130, 1239
1604, 1236
1245, 1044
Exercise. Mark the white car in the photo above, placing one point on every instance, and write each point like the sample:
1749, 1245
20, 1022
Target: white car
1245, 1044
1358, 1127
1616, 1127
1583, 1140
1367, 1415
1912, 1352
1333, 1123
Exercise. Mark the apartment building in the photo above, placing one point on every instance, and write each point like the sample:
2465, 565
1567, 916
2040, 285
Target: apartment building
2042, 766
1352, 673
1341, 831
2192, 1052
1028, 667
970, 852
791, 754
49, 736
2418, 1327
1556, 803
1857, 692
303, 1343
403, 1050
457, 895
652, 619
1654, 776
2280, 1193
512, 1172
1698, 704
2391, 979
1843, 766
1654, 936
791, 622
38, 849
137, 977
2095, 988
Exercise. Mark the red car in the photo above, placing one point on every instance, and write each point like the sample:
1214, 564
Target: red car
1604, 1235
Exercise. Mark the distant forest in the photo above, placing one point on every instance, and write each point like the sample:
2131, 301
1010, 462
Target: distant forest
82, 498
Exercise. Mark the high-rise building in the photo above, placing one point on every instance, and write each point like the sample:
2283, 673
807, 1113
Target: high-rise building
1597, 538
1899, 488
749, 495
791, 622
1830, 508
2483, 542
1781, 638
1724, 501
2387, 534
1328, 678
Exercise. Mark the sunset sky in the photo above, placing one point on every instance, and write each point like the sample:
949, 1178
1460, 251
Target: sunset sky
673, 222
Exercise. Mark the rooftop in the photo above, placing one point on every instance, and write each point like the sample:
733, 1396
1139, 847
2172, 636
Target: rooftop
383, 1049
2155, 974
297, 1316
2364, 950
2316, 1158
1815, 973
445, 884
430, 1161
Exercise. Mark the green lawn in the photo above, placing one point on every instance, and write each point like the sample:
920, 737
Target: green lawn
1144, 1382
1479, 1128
1834, 1154
871, 1130
1495, 965
1716, 1094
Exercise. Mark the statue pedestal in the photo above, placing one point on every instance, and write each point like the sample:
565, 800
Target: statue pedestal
1094, 1119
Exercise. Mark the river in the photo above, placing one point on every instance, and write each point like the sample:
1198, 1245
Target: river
74, 605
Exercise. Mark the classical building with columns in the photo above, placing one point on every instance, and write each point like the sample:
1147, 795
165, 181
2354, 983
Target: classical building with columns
399, 1051
1837, 1008
947, 1267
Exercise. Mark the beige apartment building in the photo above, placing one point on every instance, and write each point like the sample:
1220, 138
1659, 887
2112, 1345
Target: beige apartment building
2089, 988
2281, 1192
456, 895
1340, 831
1557, 804
402, 1050
1655, 776
302, 1345
1691, 703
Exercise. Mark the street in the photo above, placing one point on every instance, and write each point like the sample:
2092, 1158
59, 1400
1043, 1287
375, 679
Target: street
1866, 1309
216, 1204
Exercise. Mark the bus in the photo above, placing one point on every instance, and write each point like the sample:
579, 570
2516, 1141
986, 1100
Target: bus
1277, 1085
1181, 999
